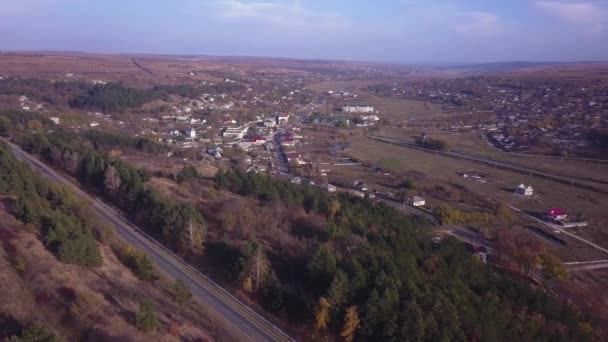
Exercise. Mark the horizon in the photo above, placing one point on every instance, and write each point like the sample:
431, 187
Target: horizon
454, 32
444, 64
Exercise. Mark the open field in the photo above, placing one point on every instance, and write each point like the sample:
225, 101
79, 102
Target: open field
442, 169
472, 143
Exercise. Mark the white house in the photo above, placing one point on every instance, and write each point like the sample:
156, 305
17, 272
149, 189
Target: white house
524, 190
55, 120
357, 109
331, 188
94, 124
282, 118
416, 201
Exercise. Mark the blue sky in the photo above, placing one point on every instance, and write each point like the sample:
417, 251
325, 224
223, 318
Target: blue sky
377, 30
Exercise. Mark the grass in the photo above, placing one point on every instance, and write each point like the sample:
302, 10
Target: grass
470, 142
438, 169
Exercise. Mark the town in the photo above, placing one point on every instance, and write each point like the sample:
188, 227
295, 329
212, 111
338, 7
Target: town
513, 165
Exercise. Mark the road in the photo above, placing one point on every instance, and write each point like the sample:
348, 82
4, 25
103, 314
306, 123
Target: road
560, 229
235, 316
572, 180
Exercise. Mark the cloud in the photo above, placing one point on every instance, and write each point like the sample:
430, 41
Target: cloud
289, 13
584, 14
20, 8
477, 23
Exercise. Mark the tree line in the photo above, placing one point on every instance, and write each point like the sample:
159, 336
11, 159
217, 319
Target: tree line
179, 225
432, 144
68, 228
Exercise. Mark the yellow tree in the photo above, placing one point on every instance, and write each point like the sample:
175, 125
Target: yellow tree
351, 324
322, 314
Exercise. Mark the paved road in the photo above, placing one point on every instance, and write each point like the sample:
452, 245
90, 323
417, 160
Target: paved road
235, 316
573, 180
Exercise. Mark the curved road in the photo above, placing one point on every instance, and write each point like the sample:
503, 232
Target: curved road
236, 317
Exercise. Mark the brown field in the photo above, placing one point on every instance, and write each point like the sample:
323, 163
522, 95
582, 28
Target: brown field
437, 169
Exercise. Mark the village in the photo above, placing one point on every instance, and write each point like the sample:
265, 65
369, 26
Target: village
543, 116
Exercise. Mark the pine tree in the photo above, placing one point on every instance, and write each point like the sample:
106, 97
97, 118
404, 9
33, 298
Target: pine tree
145, 318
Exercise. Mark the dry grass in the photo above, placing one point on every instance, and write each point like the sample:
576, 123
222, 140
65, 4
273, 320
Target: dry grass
76, 302
438, 169
470, 142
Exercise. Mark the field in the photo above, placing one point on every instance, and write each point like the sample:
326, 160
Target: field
472, 143
437, 169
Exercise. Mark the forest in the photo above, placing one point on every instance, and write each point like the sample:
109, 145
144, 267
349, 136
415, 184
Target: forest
372, 273
376, 269
68, 227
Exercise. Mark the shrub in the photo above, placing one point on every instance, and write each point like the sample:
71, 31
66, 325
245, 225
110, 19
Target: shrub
145, 318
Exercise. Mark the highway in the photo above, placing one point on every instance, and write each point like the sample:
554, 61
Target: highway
572, 180
237, 318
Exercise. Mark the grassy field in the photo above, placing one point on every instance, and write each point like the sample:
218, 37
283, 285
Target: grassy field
438, 169
470, 142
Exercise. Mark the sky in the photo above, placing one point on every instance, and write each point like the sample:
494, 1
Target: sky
405, 31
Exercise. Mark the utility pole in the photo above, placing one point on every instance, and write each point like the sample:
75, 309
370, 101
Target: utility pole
257, 277
191, 232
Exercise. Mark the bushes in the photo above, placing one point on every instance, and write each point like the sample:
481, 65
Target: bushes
432, 144
187, 173
181, 293
139, 263
145, 318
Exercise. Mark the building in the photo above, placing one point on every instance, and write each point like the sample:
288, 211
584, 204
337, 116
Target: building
190, 133
215, 152
55, 120
416, 201
235, 132
556, 214
357, 109
257, 140
330, 188
270, 123
282, 118
524, 190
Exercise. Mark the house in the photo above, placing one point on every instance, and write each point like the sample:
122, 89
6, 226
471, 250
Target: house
235, 132
94, 124
556, 214
356, 193
282, 118
330, 188
293, 157
190, 133
416, 201
357, 109
257, 140
215, 152
55, 120
270, 123
524, 190
288, 141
